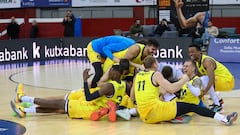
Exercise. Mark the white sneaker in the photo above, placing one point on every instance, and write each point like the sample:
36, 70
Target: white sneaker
124, 113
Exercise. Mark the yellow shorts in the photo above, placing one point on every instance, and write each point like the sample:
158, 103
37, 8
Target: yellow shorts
223, 84
80, 109
78, 94
92, 55
127, 102
107, 64
161, 111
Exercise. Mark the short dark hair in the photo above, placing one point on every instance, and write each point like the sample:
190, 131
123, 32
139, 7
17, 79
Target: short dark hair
153, 42
167, 72
148, 61
117, 68
142, 41
124, 64
164, 19
196, 46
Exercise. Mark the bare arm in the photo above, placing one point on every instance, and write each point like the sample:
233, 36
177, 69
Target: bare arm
132, 93
104, 78
137, 65
185, 23
166, 85
132, 53
210, 65
106, 89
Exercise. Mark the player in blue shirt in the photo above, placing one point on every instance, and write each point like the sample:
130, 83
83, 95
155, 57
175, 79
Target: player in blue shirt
101, 48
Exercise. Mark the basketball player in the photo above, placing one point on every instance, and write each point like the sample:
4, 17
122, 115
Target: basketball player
135, 54
79, 104
102, 48
152, 110
201, 17
171, 72
191, 90
217, 74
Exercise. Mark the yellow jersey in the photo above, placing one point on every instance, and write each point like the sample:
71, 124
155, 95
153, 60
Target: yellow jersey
220, 69
151, 109
138, 59
119, 93
78, 107
186, 95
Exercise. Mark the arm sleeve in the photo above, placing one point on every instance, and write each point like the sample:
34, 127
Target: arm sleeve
108, 51
194, 90
88, 95
196, 86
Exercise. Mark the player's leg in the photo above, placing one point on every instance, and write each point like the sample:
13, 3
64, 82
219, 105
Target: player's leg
183, 108
96, 61
98, 73
43, 102
216, 106
50, 106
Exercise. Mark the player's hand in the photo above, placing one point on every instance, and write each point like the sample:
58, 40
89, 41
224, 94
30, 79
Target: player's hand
86, 74
202, 94
117, 60
141, 67
178, 3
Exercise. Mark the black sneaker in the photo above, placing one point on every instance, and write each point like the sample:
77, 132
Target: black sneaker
221, 102
216, 108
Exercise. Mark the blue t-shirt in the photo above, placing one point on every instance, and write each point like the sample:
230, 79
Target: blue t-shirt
107, 45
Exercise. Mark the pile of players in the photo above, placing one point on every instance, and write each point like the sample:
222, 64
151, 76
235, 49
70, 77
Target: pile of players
129, 81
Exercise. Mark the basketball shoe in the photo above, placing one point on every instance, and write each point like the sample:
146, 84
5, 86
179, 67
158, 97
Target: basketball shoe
217, 108
124, 113
231, 118
99, 114
18, 93
18, 109
112, 111
182, 119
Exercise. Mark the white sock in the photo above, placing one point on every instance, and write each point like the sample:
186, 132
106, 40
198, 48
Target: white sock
30, 110
220, 117
214, 96
211, 91
132, 111
27, 99
169, 96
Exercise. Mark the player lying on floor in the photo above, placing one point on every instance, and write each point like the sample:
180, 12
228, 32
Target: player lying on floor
78, 105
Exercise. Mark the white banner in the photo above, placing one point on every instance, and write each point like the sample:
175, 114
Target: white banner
89, 3
10, 3
223, 2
